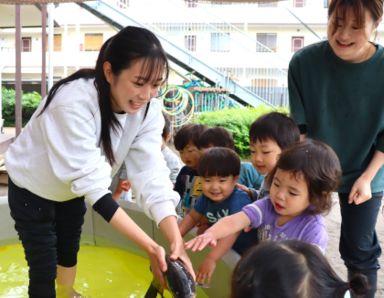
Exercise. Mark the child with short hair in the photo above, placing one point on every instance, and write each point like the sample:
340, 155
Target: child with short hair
171, 158
219, 170
290, 269
187, 181
221, 137
270, 134
301, 184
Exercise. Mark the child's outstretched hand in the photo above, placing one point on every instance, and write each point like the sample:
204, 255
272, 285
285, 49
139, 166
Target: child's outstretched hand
200, 242
205, 271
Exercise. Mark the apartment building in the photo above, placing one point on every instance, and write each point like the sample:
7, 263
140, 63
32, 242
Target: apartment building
251, 43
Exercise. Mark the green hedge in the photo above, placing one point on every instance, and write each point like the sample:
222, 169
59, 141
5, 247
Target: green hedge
238, 122
30, 101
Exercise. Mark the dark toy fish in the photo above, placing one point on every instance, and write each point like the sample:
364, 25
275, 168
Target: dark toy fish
179, 282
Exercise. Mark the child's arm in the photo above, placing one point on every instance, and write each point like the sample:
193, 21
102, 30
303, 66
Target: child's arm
189, 221
223, 228
123, 185
208, 266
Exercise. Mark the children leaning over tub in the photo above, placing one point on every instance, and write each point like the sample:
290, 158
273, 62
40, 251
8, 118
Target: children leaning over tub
188, 184
219, 170
300, 191
268, 136
221, 137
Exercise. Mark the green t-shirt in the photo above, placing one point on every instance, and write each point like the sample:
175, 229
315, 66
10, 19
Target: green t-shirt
341, 104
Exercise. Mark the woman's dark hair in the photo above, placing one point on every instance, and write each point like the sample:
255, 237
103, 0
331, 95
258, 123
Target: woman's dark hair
319, 165
375, 8
290, 269
277, 127
188, 134
219, 161
121, 50
216, 137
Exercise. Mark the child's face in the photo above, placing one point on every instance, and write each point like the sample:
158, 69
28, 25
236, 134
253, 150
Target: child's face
289, 194
218, 188
264, 155
190, 155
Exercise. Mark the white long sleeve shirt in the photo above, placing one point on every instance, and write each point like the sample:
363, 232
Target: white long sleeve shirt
58, 156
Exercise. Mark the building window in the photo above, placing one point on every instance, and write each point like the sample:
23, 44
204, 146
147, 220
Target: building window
266, 42
220, 42
122, 3
298, 3
297, 43
26, 44
93, 41
57, 41
326, 3
268, 4
190, 42
191, 3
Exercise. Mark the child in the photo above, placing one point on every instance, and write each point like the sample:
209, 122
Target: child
187, 181
290, 269
301, 185
269, 135
172, 160
120, 185
219, 170
221, 137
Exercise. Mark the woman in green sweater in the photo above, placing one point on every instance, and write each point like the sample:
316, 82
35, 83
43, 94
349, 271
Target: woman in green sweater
336, 95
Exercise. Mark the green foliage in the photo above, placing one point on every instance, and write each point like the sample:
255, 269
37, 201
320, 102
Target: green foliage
238, 122
30, 101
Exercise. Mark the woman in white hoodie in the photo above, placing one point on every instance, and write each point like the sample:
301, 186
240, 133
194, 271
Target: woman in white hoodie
89, 125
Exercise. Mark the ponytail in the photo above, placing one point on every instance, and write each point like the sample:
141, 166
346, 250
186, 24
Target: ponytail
358, 284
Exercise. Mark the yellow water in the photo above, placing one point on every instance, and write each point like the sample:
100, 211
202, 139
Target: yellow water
102, 272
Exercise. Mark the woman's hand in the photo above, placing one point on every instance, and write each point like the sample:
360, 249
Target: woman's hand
205, 272
200, 242
178, 252
158, 264
361, 191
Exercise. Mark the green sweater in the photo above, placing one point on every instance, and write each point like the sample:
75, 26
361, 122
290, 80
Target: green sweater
341, 104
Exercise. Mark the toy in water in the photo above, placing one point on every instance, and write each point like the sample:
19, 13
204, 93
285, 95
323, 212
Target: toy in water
180, 282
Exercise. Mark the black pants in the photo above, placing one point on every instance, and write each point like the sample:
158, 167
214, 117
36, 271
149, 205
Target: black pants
359, 246
50, 233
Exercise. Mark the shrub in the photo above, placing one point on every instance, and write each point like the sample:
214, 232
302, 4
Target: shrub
238, 122
29, 101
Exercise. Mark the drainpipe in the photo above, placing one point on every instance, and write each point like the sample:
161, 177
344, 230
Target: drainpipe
18, 114
51, 9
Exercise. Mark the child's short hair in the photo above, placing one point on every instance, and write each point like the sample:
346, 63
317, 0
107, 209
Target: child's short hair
275, 126
219, 161
216, 137
167, 130
291, 269
187, 134
320, 167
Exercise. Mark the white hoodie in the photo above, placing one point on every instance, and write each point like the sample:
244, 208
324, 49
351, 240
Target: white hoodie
58, 157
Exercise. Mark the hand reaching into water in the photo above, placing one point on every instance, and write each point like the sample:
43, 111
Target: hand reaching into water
158, 263
178, 252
